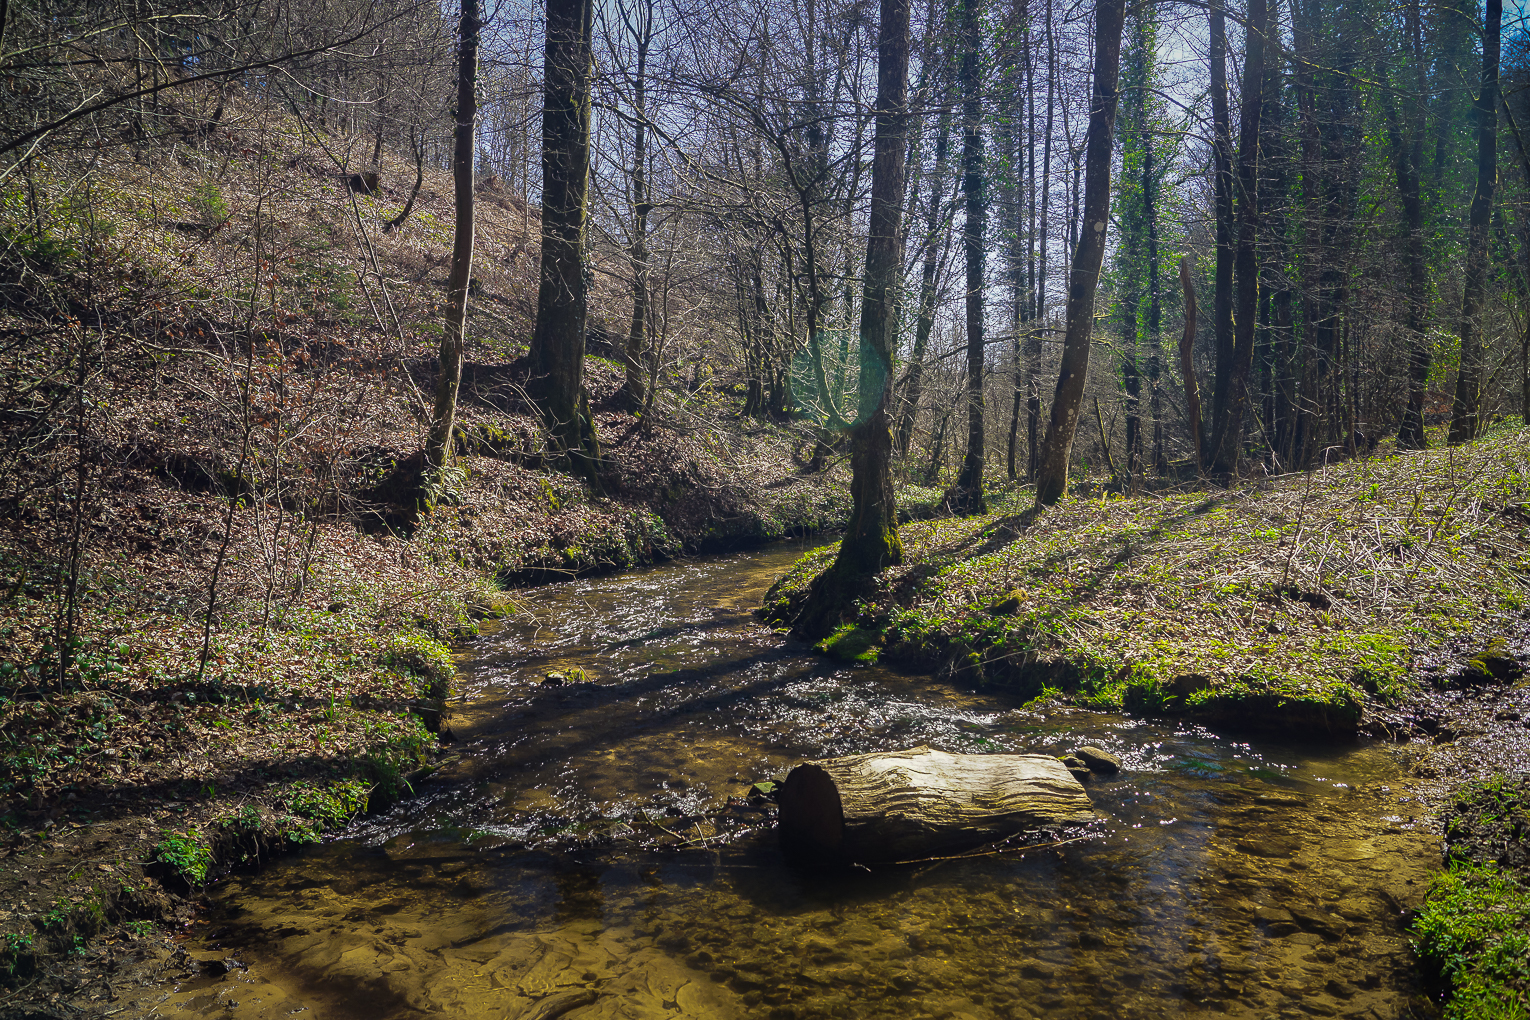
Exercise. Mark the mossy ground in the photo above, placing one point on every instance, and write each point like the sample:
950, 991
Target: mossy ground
1290, 603
1474, 927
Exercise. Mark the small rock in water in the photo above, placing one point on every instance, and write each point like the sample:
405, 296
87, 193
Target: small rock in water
1076, 766
559, 677
554, 679
1099, 761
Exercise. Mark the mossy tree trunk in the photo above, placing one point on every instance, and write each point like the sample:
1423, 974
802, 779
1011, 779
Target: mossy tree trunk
1187, 361
1465, 413
438, 447
1084, 273
871, 540
557, 345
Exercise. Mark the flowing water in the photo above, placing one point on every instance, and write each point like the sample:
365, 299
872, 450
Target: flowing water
591, 854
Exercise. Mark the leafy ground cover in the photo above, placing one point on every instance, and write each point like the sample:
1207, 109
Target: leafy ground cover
1293, 602
1474, 927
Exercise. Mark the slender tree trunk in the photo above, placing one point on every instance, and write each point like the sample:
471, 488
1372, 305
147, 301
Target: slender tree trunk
1408, 159
635, 354
871, 539
1023, 273
1187, 361
1465, 413
1155, 308
1131, 381
967, 494
438, 446
418, 145
1306, 350
934, 246
1222, 292
1084, 276
1229, 441
1033, 342
557, 345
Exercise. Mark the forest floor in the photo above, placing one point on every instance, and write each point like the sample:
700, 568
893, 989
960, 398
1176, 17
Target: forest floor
1312, 602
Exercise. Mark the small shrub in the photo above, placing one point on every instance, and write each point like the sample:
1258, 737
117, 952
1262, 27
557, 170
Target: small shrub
186, 853
208, 202
331, 806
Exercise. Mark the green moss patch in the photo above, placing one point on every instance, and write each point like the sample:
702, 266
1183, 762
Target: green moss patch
852, 644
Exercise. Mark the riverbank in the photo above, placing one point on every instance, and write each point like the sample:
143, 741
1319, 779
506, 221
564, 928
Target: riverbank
1312, 603
227, 607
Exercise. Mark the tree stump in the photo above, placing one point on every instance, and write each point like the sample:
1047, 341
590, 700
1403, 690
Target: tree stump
908, 805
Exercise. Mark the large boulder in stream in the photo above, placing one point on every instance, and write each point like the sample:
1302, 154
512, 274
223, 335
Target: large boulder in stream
909, 805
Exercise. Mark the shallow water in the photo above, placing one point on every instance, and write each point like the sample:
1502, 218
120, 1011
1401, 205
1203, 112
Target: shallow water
581, 858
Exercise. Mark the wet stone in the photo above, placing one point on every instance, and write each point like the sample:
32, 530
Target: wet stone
1099, 761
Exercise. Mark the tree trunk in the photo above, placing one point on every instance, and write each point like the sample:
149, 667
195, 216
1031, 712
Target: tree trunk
934, 246
557, 345
635, 355
1155, 309
1229, 433
1033, 342
1187, 361
1222, 292
438, 446
967, 495
1465, 413
871, 539
906, 805
1408, 159
1084, 274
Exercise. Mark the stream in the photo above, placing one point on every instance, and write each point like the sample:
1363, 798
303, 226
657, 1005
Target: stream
591, 854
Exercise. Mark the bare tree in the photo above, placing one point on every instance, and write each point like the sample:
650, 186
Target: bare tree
557, 346
1052, 478
438, 448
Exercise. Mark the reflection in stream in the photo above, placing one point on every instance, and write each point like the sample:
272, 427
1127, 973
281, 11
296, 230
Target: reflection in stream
1224, 878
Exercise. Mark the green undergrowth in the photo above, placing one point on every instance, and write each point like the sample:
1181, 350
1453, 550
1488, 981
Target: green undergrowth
1474, 930
1474, 927
1292, 602
215, 836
